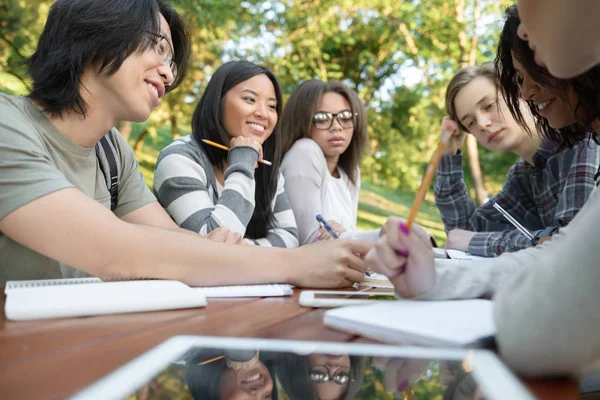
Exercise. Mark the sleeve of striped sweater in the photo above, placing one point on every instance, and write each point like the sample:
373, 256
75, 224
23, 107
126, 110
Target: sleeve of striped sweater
183, 187
285, 232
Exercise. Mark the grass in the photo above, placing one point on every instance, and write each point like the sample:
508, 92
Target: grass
375, 205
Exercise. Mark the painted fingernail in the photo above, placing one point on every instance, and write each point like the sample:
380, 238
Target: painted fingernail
319, 235
400, 270
402, 252
403, 228
402, 385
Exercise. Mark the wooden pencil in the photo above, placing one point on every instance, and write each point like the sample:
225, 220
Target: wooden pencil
220, 146
429, 173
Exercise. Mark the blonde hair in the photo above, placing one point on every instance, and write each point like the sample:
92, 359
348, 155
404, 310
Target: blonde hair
461, 79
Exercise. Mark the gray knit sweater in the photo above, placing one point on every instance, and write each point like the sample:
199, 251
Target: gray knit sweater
185, 185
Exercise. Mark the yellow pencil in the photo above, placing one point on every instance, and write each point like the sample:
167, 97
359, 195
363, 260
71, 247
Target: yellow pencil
220, 146
211, 360
435, 159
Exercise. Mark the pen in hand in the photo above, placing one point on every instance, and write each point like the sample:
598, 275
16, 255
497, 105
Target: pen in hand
533, 239
329, 229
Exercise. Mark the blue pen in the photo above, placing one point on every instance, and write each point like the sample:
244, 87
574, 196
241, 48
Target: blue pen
329, 229
326, 226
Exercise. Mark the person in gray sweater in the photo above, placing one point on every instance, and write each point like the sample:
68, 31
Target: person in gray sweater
546, 297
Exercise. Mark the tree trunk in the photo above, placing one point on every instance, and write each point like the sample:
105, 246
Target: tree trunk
139, 143
470, 58
174, 128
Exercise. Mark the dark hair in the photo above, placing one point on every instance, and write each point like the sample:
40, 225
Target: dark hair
293, 372
204, 381
586, 87
297, 120
89, 33
207, 123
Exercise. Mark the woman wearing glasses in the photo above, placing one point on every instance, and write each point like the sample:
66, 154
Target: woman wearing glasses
320, 376
325, 133
204, 187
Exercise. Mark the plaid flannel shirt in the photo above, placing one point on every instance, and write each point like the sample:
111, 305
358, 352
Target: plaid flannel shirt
543, 197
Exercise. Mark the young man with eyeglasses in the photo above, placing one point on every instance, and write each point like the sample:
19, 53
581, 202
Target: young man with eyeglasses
98, 63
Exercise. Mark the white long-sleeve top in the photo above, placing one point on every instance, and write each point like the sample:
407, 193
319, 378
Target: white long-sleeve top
312, 190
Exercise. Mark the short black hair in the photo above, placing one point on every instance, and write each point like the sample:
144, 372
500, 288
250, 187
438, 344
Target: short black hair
586, 87
83, 33
207, 123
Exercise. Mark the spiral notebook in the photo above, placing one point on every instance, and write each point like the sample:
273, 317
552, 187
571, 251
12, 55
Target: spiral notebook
61, 298
53, 298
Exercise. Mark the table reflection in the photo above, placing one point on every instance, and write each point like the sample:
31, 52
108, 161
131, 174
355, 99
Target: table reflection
218, 374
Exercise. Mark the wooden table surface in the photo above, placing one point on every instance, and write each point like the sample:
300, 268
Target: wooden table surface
55, 358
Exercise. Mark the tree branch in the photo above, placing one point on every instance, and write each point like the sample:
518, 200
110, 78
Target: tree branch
415, 52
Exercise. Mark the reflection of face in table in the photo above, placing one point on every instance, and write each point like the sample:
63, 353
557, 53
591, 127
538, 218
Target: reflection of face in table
329, 374
230, 376
250, 383
320, 376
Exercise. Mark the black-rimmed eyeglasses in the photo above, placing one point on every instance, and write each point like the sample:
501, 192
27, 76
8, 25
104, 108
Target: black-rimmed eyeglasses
324, 120
320, 374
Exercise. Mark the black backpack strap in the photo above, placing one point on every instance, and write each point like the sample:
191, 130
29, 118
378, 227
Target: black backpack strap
109, 165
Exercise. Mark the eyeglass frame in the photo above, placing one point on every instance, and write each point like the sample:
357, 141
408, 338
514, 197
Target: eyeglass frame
330, 378
335, 116
168, 60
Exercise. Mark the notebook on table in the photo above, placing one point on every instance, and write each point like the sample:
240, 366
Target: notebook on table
76, 297
452, 323
61, 298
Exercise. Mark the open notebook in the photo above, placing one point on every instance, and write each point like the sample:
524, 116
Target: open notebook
430, 323
57, 298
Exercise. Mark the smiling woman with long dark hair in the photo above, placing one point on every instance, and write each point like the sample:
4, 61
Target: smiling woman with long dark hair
204, 187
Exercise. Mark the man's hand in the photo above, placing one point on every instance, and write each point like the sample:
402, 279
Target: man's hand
329, 264
459, 239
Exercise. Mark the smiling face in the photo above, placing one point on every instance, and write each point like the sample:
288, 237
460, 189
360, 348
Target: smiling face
253, 383
335, 140
563, 34
559, 112
487, 118
250, 109
131, 93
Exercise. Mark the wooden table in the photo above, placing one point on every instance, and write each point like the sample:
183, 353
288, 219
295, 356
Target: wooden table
55, 358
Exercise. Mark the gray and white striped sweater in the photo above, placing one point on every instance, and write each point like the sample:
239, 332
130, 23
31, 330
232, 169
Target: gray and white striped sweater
185, 185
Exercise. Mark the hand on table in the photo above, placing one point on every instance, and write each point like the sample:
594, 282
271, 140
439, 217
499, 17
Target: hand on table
328, 264
459, 239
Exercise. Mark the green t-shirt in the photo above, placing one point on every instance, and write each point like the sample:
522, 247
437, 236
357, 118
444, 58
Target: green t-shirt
36, 159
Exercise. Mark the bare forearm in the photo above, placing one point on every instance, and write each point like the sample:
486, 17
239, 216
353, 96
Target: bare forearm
149, 252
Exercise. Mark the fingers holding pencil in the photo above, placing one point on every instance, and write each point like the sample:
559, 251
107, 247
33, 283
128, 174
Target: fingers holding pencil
405, 257
456, 137
222, 147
